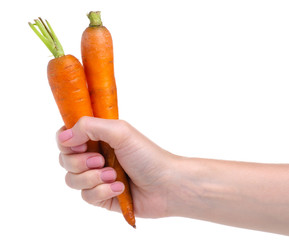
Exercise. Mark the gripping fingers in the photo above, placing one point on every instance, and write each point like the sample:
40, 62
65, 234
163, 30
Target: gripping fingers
78, 163
102, 192
90, 178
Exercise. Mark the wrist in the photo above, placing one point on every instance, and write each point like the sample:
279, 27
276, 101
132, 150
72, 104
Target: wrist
192, 190
184, 191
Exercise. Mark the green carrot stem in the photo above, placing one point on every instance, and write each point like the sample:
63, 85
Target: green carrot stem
95, 19
47, 36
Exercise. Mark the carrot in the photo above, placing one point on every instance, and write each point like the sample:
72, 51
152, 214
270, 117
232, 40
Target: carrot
66, 79
97, 58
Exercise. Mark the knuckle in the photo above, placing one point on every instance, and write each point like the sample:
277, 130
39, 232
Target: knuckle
69, 162
60, 160
96, 196
88, 181
83, 122
92, 178
124, 129
73, 164
124, 126
86, 196
68, 179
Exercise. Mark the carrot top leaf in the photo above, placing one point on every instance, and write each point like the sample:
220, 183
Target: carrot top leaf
45, 32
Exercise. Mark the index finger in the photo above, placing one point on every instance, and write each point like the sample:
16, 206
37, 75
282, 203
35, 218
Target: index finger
114, 132
68, 150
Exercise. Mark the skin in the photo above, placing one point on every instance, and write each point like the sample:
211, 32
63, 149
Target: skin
240, 194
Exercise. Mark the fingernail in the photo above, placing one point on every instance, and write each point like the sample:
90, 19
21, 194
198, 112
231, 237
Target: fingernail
108, 176
65, 135
80, 148
117, 187
94, 162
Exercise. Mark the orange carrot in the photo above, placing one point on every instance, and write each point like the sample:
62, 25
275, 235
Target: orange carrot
67, 80
97, 58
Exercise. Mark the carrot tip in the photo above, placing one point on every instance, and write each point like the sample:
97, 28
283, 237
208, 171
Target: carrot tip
134, 226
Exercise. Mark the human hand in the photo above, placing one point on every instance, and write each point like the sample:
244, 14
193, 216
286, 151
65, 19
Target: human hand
146, 164
163, 184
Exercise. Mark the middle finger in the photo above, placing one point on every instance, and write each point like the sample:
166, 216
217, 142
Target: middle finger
80, 162
91, 178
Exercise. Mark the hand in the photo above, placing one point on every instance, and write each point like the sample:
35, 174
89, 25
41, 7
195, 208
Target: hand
163, 184
146, 164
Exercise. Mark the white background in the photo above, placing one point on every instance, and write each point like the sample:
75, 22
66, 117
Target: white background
200, 78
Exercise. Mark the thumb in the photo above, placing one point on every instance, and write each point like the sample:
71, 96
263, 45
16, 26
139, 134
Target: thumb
111, 131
